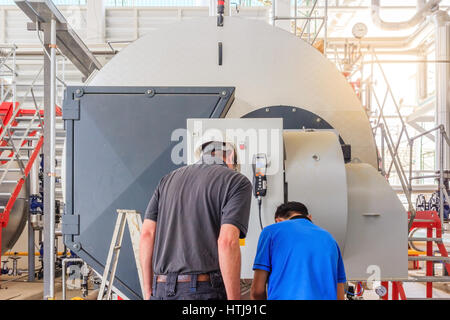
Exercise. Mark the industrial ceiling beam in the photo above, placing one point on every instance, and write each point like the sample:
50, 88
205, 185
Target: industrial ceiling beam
69, 43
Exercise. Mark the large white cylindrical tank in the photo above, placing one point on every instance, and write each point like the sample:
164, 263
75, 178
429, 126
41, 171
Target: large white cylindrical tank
267, 65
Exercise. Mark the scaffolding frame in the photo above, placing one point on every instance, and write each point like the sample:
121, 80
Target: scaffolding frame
312, 9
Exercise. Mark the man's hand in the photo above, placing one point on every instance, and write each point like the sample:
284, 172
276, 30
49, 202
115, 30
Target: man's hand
230, 260
258, 291
146, 245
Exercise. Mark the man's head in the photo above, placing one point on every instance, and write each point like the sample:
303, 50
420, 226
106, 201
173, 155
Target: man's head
221, 150
288, 210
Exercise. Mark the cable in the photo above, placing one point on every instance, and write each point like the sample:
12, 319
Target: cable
259, 209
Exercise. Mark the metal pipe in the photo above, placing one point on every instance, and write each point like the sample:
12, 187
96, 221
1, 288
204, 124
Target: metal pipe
30, 253
299, 18
442, 52
425, 133
383, 157
425, 177
407, 61
63, 263
273, 13
26, 254
411, 144
49, 164
416, 19
441, 177
325, 36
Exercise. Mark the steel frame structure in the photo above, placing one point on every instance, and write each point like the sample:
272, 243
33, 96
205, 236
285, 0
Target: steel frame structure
307, 20
59, 36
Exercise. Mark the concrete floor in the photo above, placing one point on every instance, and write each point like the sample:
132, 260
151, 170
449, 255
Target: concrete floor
18, 288
415, 290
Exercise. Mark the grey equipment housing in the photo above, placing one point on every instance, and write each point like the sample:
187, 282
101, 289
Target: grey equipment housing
119, 145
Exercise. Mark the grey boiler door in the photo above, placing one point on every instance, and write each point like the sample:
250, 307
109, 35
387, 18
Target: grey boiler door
121, 142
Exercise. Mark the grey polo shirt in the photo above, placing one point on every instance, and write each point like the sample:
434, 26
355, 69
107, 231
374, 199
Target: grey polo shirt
189, 205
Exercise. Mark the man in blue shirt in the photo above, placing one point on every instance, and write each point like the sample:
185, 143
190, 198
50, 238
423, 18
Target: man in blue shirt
298, 260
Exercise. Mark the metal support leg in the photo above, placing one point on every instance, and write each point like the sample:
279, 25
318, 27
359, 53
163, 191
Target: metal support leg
386, 285
429, 264
31, 257
113, 257
49, 159
394, 290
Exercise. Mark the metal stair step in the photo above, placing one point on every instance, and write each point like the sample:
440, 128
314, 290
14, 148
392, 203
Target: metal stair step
18, 169
16, 137
33, 128
429, 279
9, 182
425, 239
426, 258
29, 118
25, 148
17, 147
13, 158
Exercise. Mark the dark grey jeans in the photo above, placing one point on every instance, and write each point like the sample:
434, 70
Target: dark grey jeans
194, 290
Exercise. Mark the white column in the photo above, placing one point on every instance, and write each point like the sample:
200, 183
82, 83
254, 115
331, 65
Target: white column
442, 45
213, 7
283, 9
95, 17
422, 75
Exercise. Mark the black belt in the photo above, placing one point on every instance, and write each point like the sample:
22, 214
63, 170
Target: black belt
203, 277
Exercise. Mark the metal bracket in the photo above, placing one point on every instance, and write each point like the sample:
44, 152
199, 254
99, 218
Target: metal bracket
71, 106
70, 224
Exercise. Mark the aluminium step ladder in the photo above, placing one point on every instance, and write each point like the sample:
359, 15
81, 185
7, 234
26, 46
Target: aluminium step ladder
134, 221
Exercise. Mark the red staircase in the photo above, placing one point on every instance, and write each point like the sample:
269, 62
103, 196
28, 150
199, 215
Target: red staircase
11, 116
430, 221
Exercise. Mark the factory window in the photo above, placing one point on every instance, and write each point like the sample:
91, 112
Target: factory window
152, 3
56, 2
179, 3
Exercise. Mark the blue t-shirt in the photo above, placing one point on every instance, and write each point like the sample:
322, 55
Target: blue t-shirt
303, 260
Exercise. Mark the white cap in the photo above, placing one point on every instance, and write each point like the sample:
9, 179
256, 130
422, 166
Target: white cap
210, 143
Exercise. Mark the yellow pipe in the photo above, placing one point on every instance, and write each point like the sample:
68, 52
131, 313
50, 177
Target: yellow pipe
25, 254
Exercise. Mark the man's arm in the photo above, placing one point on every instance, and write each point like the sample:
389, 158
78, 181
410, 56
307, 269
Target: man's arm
230, 260
258, 291
340, 291
146, 245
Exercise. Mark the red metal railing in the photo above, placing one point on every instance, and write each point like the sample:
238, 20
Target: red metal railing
7, 110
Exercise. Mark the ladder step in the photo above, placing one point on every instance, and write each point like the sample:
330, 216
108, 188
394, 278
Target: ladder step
425, 258
21, 148
425, 239
117, 247
25, 148
13, 158
18, 169
17, 128
15, 137
9, 181
5, 194
430, 279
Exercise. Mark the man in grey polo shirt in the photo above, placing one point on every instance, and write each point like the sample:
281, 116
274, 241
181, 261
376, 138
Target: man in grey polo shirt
189, 245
